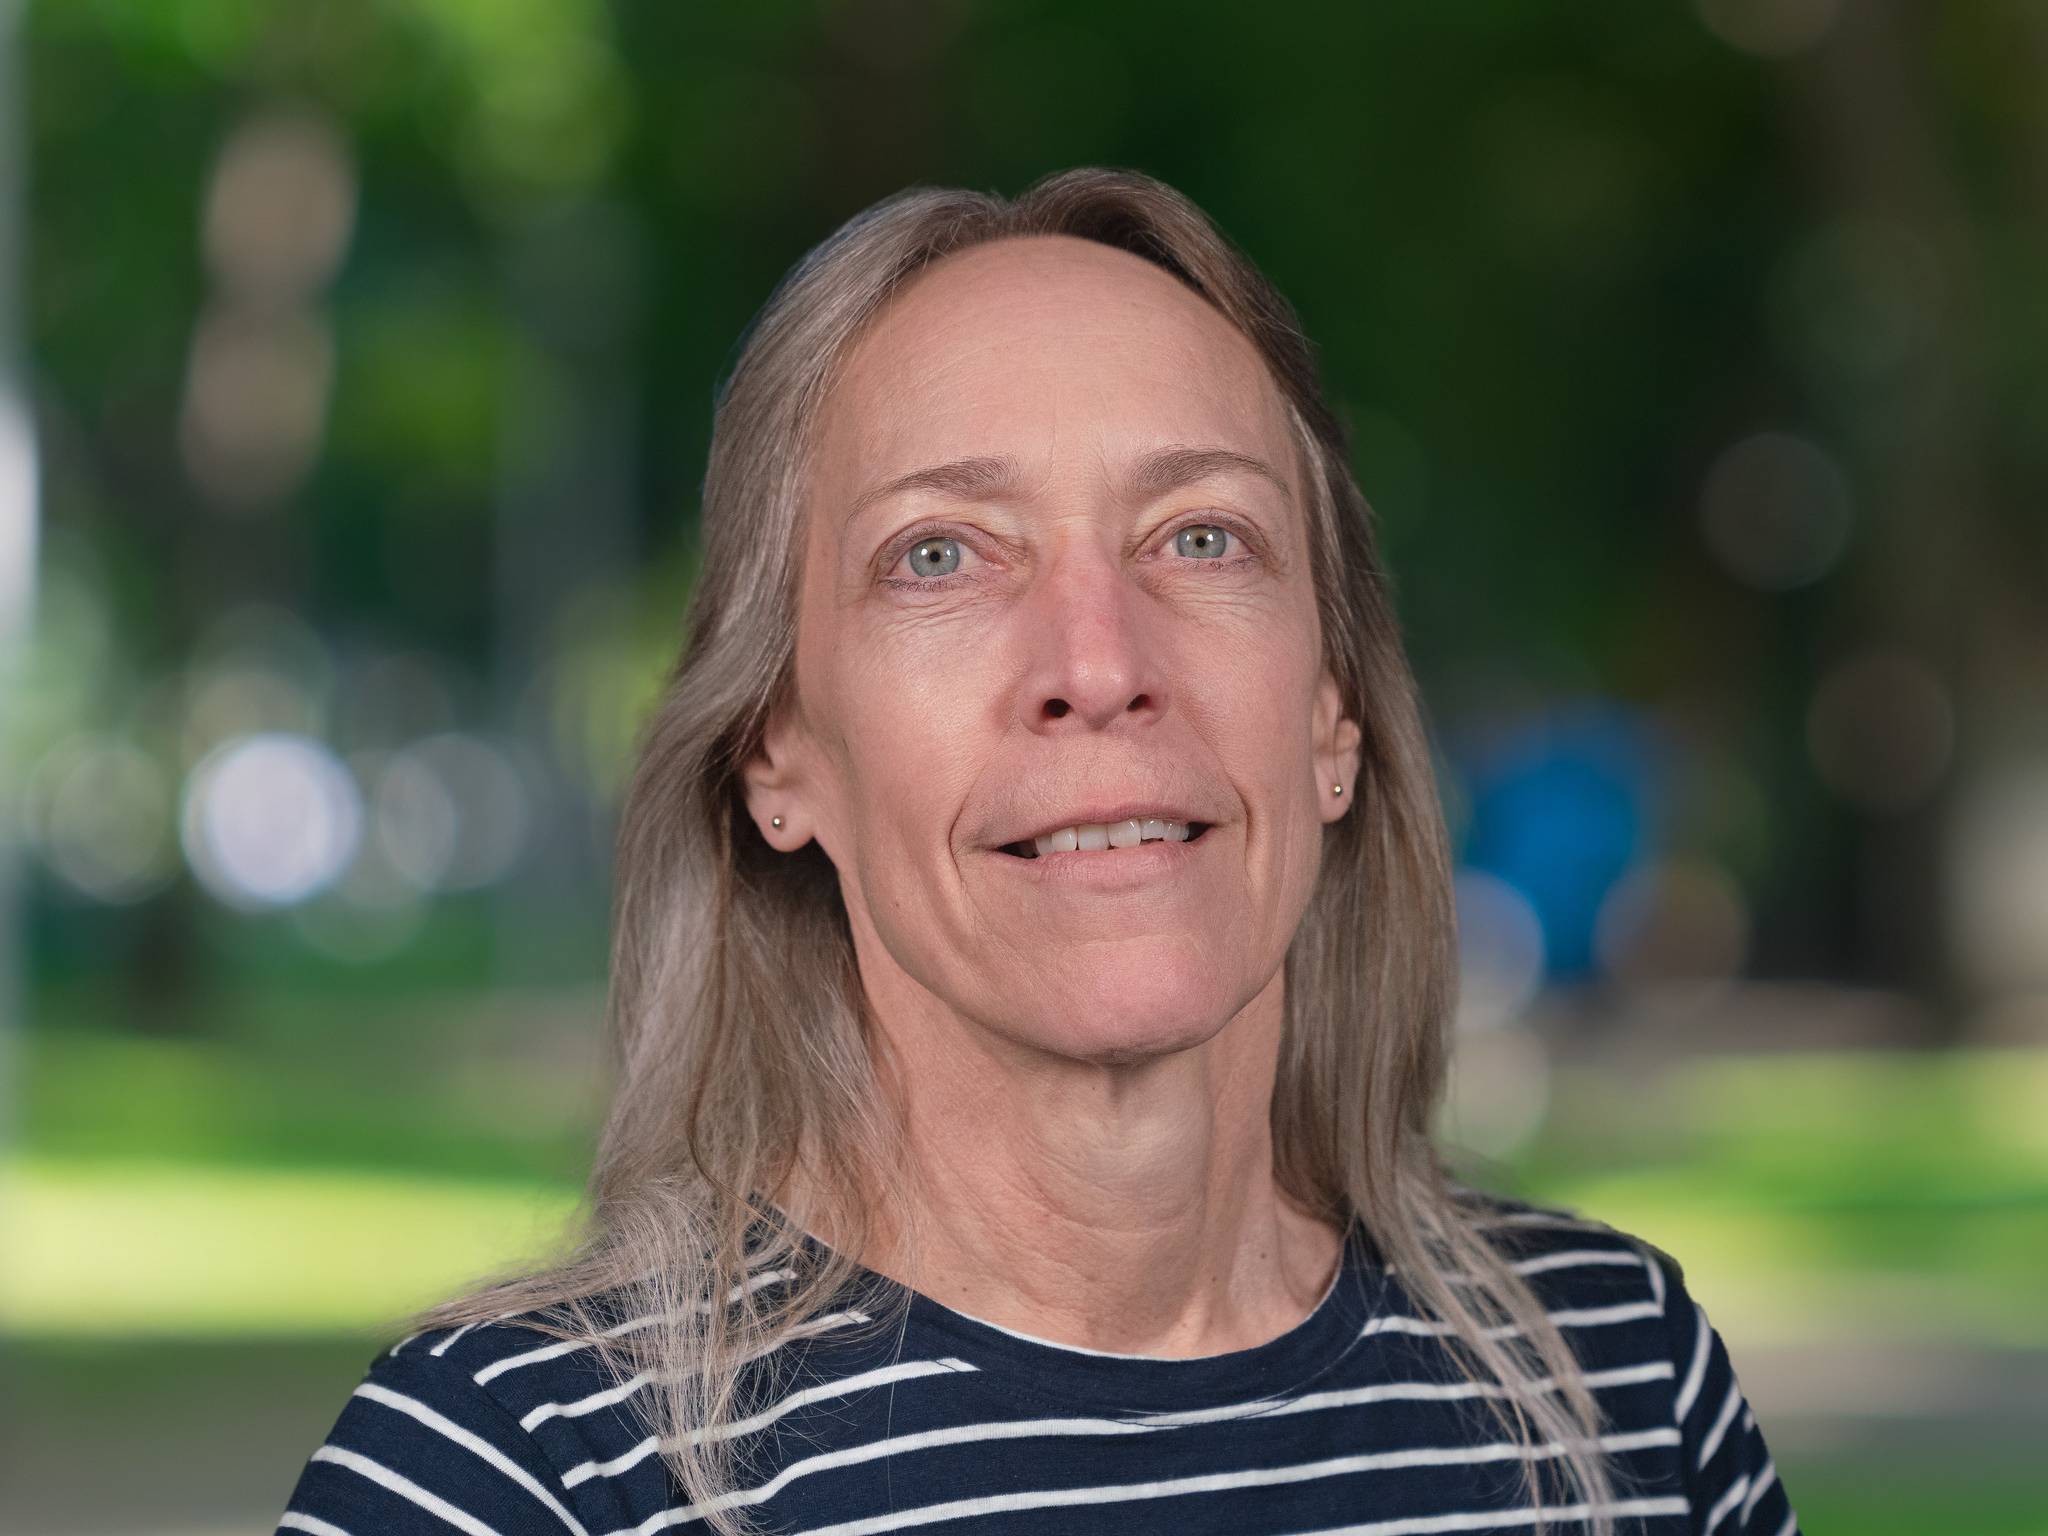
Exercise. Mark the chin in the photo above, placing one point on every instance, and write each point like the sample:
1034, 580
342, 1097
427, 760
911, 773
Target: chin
1118, 1024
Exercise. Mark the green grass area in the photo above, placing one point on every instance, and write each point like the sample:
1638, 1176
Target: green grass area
1900, 1191
1858, 1499
176, 1186
350, 1093
132, 1249
251, 1216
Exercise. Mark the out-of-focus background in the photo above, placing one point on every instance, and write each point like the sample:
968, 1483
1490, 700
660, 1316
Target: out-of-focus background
356, 364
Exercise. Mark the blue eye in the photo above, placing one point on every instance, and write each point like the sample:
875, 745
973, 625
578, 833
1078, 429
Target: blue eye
929, 557
1203, 540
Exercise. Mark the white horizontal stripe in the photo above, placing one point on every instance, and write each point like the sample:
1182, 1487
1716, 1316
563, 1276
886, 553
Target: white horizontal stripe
996, 1429
1565, 1258
1791, 1525
1395, 1391
1729, 1404
1726, 1502
412, 1407
909, 1370
442, 1347
1697, 1372
569, 1346
1564, 1317
1488, 1519
291, 1520
1572, 1257
625, 1461
759, 1281
1764, 1479
1656, 1280
930, 1439
1205, 1483
1212, 1482
404, 1487
605, 1399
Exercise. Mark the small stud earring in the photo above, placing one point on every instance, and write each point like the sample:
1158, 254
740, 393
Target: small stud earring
1336, 789
775, 821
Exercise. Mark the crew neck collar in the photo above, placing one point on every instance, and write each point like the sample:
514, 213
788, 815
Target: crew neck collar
1079, 1376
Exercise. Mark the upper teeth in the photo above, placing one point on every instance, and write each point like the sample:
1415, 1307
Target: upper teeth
1112, 834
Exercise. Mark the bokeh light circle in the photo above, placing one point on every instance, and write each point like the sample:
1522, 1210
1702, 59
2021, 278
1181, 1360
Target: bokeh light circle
270, 819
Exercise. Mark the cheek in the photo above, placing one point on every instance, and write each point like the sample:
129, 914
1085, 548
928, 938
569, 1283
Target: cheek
1269, 703
912, 745
922, 692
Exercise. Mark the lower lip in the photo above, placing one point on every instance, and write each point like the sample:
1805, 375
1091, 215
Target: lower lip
1110, 869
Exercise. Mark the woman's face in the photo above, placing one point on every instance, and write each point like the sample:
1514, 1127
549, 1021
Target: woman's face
1104, 606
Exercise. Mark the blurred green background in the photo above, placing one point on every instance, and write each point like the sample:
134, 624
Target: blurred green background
356, 363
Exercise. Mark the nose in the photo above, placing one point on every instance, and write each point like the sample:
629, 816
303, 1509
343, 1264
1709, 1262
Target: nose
1093, 656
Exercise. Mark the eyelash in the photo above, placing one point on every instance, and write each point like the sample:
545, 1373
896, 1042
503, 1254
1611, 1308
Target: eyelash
939, 583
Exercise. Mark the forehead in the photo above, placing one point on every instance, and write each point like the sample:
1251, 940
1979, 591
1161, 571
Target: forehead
1042, 346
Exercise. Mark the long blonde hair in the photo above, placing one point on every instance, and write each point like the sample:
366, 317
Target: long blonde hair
737, 1032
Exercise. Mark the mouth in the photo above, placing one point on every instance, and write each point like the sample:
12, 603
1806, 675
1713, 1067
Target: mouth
1092, 840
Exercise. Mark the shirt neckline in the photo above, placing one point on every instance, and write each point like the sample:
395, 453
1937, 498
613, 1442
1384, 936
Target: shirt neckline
1075, 1375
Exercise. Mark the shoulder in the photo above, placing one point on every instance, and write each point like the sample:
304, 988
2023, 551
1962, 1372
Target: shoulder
1575, 1260
1624, 1304
491, 1425
513, 1360
1618, 1299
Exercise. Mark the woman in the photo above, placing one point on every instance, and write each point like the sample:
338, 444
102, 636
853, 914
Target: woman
1033, 964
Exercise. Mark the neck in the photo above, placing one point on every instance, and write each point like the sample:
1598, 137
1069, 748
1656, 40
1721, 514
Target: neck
1128, 1208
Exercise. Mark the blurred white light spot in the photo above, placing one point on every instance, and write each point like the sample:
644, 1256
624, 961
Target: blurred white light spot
18, 491
1998, 878
1677, 921
1880, 730
1775, 511
256, 390
98, 810
280, 206
1773, 28
1499, 1090
268, 820
1500, 951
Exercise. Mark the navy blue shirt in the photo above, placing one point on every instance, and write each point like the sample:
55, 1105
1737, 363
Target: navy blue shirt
1353, 1421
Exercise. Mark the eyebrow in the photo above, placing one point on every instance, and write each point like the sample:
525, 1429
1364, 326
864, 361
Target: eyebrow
987, 477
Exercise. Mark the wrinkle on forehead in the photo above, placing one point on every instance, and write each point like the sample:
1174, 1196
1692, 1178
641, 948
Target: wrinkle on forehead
886, 410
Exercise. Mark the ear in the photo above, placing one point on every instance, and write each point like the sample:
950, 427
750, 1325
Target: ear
773, 783
1336, 743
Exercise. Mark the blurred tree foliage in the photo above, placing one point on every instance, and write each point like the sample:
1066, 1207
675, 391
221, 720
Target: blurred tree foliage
1556, 260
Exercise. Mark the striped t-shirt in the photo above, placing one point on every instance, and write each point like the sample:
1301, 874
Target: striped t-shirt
1351, 1422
